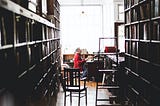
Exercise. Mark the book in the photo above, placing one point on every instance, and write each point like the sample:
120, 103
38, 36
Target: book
134, 31
145, 30
155, 34
3, 32
128, 17
134, 15
0, 38
137, 31
134, 48
156, 8
144, 11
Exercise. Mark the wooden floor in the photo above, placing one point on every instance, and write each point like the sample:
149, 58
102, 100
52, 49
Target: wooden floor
91, 93
8, 98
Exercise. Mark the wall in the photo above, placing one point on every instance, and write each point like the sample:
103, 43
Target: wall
103, 27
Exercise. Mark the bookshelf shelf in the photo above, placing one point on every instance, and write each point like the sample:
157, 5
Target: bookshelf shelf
142, 50
9, 5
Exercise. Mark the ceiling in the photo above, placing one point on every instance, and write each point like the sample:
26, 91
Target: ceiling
86, 2
80, 2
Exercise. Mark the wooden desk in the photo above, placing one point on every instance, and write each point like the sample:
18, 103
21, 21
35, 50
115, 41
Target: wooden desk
67, 57
93, 67
114, 59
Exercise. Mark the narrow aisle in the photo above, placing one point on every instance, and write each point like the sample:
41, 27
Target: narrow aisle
91, 94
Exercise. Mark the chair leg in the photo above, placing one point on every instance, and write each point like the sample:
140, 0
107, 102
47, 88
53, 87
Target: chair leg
103, 79
96, 92
71, 98
65, 99
86, 96
79, 99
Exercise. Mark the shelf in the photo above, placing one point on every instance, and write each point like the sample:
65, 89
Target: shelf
101, 53
30, 52
155, 41
135, 22
10, 6
136, 40
145, 41
142, 50
146, 81
134, 6
145, 20
108, 38
142, 1
21, 44
155, 18
135, 57
6, 47
130, 71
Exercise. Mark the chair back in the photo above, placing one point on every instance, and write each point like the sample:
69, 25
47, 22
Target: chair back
72, 77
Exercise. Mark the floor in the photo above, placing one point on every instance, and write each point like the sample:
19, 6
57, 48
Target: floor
8, 100
91, 93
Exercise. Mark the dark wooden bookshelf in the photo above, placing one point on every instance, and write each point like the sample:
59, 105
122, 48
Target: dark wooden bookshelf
142, 52
30, 52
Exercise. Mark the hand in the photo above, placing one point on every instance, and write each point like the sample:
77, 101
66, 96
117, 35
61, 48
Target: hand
86, 59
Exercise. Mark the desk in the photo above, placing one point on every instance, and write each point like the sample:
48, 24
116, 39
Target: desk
93, 67
92, 70
95, 64
114, 59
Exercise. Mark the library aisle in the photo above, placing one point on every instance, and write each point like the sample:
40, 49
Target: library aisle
91, 96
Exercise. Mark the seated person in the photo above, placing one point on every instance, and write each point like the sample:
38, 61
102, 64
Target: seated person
79, 62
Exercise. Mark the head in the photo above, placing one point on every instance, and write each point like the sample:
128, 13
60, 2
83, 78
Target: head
78, 50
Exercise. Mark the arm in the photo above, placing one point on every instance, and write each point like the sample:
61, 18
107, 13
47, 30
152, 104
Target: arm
78, 60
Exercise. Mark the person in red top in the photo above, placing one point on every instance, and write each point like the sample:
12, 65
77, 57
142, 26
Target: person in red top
79, 62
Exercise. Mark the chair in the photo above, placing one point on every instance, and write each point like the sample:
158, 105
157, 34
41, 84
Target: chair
110, 73
74, 85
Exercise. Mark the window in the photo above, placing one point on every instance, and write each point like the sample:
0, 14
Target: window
120, 12
81, 26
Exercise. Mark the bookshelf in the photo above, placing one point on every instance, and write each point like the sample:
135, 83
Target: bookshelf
142, 52
30, 51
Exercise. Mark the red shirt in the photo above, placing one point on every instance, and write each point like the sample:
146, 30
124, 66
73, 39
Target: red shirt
78, 61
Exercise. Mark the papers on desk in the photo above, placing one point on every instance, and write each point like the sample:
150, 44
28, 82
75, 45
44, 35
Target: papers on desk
113, 57
90, 58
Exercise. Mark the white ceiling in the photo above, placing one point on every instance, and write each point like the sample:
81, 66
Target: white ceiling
80, 2
85, 2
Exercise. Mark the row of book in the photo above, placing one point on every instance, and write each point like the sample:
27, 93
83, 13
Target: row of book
29, 53
45, 81
129, 3
127, 17
145, 70
146, 76
144, 50
148, 9
25, 30
41, 7
134, 14
27, 57
155, 8
49, 9
144, 31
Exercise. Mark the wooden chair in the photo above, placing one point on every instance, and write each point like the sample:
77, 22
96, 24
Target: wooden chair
74, 85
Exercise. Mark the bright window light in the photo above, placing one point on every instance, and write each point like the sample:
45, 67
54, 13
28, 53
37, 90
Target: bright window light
81, 26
